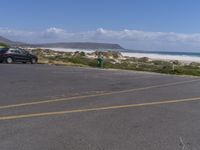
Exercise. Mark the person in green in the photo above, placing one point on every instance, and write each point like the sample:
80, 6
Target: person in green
100, 61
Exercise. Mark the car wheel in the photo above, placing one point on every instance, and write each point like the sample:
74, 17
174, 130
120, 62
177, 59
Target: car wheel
33, 61
9, 60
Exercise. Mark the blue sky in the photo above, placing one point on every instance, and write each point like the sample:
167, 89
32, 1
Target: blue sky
135, 24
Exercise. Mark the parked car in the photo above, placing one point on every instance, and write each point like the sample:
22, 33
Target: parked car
12, 55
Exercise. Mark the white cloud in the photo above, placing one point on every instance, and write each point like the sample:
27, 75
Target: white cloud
132, 39
53, 33
55, 30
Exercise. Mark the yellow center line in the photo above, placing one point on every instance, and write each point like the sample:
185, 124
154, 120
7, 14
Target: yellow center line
95, 95
96, 109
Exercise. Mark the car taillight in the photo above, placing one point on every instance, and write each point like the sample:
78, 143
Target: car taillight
4, 54
7, 52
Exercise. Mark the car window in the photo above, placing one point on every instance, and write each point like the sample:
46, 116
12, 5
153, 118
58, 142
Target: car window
11, 51
17, 51
3, 49
23, 51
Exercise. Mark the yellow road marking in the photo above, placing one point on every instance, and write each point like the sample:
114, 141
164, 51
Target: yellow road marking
96, 109
94, 95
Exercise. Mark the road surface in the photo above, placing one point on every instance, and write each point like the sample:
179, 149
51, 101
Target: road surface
45, 107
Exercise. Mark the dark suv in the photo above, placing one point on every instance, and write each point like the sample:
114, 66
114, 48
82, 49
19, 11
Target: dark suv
11, 55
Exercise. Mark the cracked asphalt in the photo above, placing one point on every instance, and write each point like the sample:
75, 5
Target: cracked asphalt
59, 108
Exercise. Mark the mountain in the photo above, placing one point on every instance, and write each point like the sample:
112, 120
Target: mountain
4, 40
75, 45
80, 45
9, 42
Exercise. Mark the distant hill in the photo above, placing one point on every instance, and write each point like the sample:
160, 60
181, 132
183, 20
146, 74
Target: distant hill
75, 45
4, 40
81, 45
9, 42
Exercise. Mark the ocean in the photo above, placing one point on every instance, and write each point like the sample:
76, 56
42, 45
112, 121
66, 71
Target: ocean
164, 55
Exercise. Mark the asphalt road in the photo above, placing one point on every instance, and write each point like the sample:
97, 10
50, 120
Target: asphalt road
46, 107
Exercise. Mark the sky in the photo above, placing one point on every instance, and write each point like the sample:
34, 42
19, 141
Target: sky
158, 25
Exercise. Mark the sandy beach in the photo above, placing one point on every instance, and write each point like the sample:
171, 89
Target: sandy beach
153, 56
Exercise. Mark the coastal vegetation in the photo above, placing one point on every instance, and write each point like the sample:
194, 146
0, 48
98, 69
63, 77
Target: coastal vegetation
115, 60
3, 45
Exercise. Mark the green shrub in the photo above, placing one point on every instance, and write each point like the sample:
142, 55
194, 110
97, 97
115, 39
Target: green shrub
3, 45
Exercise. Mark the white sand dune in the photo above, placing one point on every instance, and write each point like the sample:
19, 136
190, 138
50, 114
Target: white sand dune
183, 58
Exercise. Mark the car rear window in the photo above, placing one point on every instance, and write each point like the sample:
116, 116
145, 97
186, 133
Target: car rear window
3, 49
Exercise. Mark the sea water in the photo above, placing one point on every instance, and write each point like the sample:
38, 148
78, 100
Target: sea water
181, 56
